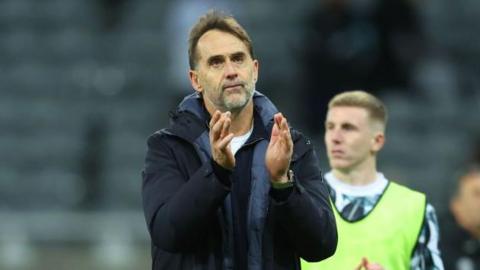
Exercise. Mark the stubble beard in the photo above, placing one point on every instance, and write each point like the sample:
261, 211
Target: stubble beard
237, 104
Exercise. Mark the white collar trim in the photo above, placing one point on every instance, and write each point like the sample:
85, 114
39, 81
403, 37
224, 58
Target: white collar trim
374, 188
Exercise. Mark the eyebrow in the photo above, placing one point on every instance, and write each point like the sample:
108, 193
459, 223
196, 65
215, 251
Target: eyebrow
238, 54
342, 124
215, 57
221, 57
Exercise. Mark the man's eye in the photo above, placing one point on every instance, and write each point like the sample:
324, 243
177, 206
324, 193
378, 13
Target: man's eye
238, 59
216, 63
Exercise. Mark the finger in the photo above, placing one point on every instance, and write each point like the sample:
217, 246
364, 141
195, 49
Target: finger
285, 141
225, 128
217, 129
213, 121
288, 139
278, 118
277, 124
215, 117
226, 125
365, 262
275, 131
223, 143
284, 124
285, 131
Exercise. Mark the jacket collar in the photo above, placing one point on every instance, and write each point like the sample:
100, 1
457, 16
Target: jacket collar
191, 118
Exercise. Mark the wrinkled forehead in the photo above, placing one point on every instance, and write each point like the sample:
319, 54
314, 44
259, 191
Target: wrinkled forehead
219, 43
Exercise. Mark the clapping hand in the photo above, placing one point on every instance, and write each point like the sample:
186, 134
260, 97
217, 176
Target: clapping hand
220, 138
279, 151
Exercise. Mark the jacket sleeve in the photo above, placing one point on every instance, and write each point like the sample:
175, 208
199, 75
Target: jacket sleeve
178, 208
426, 254
306, 215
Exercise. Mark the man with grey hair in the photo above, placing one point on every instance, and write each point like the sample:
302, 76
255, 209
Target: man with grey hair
229, 185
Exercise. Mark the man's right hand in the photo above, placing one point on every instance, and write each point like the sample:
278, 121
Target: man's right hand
220, 138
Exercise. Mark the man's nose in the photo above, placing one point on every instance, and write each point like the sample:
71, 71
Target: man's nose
336, 136
230, 70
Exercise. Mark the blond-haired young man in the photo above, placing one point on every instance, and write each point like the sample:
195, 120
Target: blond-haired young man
381, 224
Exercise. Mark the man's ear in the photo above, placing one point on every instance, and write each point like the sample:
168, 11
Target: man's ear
378, 141
255, 70
194, 80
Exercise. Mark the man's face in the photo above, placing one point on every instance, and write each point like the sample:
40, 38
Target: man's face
467, 203
350, 138
225, 72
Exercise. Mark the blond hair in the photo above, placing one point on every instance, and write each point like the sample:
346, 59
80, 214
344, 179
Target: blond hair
375, 107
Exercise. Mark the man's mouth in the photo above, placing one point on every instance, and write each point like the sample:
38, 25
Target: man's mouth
230, 87
336, 153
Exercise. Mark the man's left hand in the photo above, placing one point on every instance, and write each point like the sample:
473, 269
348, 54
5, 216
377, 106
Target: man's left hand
279, 151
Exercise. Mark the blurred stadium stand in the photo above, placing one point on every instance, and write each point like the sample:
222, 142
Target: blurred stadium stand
82, 88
